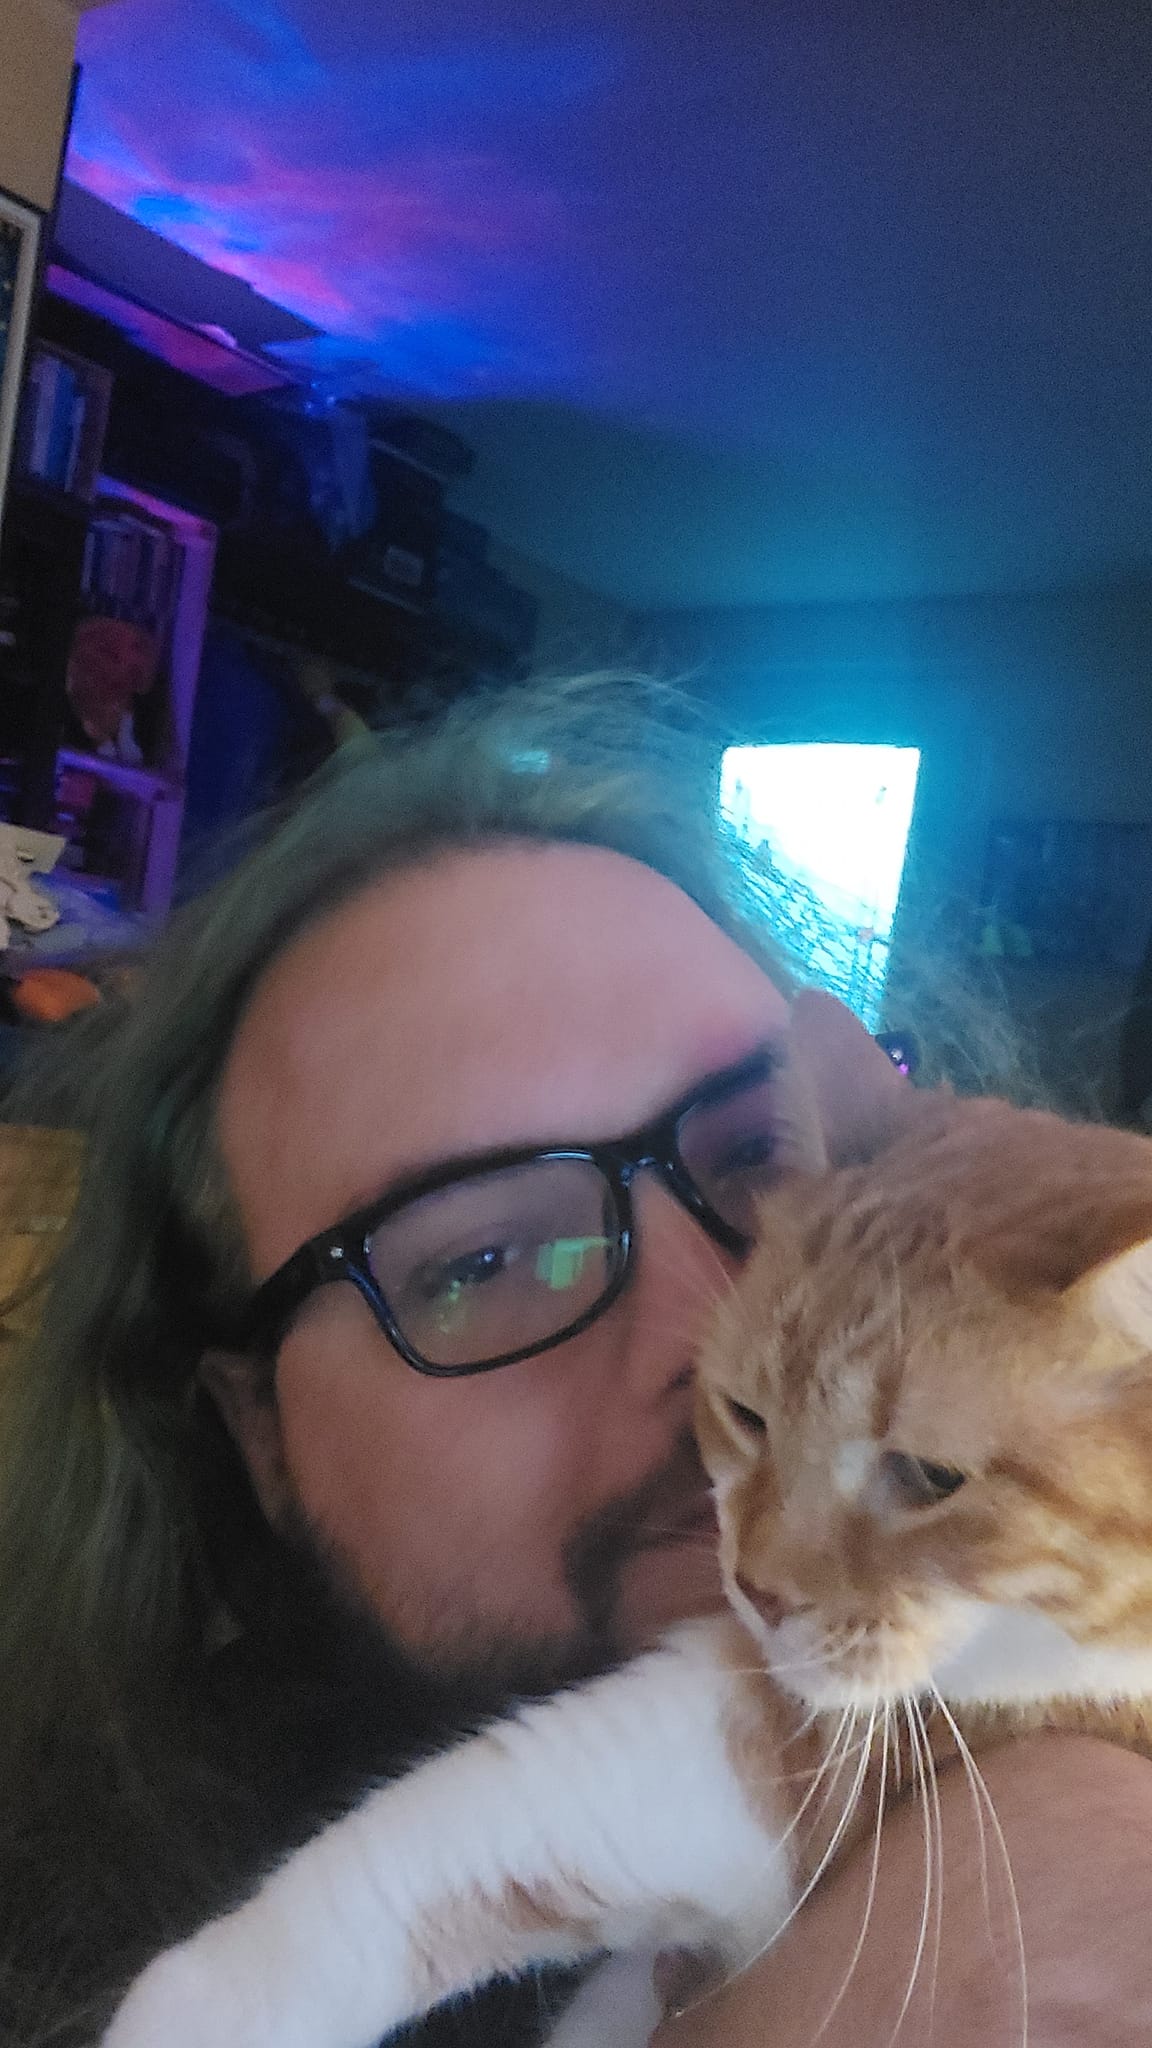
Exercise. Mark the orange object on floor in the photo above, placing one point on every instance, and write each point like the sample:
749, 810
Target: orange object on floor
49, 995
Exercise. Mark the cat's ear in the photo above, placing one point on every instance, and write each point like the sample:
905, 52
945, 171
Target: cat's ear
1120, 1292
796, 1115
859, 1103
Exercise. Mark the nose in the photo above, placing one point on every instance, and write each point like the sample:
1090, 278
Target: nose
679, 1274
773, 1607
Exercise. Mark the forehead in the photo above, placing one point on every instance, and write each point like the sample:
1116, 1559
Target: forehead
499, 996
906, 1343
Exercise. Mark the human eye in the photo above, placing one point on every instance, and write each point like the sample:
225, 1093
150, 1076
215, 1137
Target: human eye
444, 1286
731, 1151
558, 1263
494, 1263
736, 1146
749, 1153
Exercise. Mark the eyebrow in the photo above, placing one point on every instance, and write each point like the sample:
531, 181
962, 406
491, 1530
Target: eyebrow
758, 1064
762, 1060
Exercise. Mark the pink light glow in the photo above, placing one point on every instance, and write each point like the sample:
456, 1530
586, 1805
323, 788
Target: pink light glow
369, 199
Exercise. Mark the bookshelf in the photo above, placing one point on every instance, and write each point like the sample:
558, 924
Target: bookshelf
99, 585
150, 484
134, 782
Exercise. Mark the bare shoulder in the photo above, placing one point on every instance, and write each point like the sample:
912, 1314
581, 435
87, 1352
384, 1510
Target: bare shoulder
1046, 1890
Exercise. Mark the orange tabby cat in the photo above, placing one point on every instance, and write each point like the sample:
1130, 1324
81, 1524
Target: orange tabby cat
927, 1413
927, 1410
929, 1398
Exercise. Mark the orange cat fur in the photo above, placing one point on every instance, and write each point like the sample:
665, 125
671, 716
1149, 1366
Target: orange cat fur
977, 1302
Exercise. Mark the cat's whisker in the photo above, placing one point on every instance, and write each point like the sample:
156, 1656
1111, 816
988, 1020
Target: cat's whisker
813, 1775
720, 1279
933, 1787
918, 1747
967, 1764
841, 1827
873, 1874
822, 1663
916, 1734
813, 1660
836, 1756
839, 1749
849, 1808
809, 1721
980, 1788
671, 1333
978, 1808
722, 1273
818, 1659
898, 1301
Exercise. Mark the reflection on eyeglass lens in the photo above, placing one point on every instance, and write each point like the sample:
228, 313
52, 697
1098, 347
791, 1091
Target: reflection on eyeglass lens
500, 1262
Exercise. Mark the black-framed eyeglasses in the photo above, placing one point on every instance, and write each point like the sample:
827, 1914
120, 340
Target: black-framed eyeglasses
482, 1263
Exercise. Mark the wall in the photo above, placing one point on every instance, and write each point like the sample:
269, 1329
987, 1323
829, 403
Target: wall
39, 40
1023, 707
579, 629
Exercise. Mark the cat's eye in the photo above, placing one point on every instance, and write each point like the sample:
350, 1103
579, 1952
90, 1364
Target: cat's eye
746, 1419
920, 1482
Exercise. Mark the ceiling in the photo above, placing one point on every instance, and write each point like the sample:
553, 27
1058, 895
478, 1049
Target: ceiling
752, 301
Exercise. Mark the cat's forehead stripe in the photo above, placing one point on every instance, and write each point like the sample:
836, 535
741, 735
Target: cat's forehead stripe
853, 1464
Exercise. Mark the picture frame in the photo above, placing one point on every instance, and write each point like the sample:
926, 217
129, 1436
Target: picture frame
21, 229
1069, 893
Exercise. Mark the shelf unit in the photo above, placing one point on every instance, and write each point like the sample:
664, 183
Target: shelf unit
407, 617
154, 792
46, 534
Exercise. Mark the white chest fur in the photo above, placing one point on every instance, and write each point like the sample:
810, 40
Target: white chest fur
1016, 1658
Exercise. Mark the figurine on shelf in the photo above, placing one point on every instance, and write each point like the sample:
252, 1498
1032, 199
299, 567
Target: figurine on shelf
128, 591
112, 663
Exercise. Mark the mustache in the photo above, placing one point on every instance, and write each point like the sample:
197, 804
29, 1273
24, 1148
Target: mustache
595, 1557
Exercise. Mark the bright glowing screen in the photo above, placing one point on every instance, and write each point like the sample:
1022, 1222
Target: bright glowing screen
832, 823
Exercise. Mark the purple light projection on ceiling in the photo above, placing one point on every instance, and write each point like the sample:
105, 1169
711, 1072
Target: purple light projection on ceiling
356, 176
807, 302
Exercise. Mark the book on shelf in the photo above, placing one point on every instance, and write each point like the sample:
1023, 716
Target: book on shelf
131, 569
63, 417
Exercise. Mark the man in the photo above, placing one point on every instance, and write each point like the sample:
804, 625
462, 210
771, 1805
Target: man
483, 998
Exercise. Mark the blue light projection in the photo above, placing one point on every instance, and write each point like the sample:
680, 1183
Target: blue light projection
357, 174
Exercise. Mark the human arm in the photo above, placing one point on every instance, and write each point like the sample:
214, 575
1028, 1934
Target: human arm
1077, 1821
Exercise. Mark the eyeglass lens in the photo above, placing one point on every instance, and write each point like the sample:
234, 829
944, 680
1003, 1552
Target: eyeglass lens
513, 1258
498, 1263
728, 1149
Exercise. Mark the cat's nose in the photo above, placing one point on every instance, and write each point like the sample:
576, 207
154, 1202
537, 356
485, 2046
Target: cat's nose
772, 1607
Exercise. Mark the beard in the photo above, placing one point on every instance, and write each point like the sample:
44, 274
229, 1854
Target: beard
301, 1612
312, 1698
671, 1508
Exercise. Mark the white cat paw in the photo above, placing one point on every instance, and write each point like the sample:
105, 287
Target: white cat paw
172, 2005
221, 1990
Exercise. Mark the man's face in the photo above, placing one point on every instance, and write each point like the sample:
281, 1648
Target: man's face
510, 996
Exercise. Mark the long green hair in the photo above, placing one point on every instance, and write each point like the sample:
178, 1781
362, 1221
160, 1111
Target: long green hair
116, 1499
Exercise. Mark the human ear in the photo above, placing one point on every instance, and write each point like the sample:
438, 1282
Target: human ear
247, 1406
